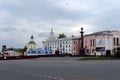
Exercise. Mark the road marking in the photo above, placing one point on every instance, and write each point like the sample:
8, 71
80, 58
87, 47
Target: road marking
38, 75
50, 77
61, 79
45, 76
55, 78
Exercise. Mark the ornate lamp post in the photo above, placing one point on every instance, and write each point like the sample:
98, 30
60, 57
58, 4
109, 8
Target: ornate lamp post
82, 50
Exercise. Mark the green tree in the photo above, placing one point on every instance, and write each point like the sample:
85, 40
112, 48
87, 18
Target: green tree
62, 35
24, 50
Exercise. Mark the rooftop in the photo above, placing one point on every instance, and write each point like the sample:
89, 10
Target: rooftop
31, 42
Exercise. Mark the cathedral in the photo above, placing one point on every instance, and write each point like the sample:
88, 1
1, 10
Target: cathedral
33, 50
31, 44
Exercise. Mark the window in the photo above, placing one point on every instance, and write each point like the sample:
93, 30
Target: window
69, 49
93, 42
69, 45
46, 52
87, 50
39, 52
117, 41
66, 42
60, 44
114, 41
90, 50
66, 46
74, 42
31, 47
90, 42
33, 52
66, 50
29, 52
63, 49
93, 50
74, 48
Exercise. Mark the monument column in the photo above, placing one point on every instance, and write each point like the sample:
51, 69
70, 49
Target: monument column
82, 50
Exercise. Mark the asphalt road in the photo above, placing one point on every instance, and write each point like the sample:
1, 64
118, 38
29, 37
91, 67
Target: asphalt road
64, 68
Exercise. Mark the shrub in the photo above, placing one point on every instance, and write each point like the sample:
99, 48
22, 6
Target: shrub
108, 53
117, 55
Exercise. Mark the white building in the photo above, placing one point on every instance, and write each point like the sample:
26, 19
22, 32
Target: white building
103, 43
63, 45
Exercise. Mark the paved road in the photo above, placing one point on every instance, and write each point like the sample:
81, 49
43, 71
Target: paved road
64, 68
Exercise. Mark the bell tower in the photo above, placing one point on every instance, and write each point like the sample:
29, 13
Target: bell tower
51, 37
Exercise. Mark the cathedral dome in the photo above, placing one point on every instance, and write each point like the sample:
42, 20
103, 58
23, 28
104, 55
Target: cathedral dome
31, 42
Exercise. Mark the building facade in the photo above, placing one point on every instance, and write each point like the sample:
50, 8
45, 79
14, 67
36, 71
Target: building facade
100, 42
116, 39
75, 45
97, 43
63, 45
33, 50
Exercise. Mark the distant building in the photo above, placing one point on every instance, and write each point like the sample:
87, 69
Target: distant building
97, 43
3, 47
31, 44
11, 51
76, 45
100, 42
33, 50
63, 45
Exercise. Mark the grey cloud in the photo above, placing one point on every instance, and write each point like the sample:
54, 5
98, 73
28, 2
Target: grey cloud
108, 20
23, 30
43, 10
41, 15
8, 29
43, 34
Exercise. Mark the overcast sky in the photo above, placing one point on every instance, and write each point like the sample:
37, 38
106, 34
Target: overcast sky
19, 19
